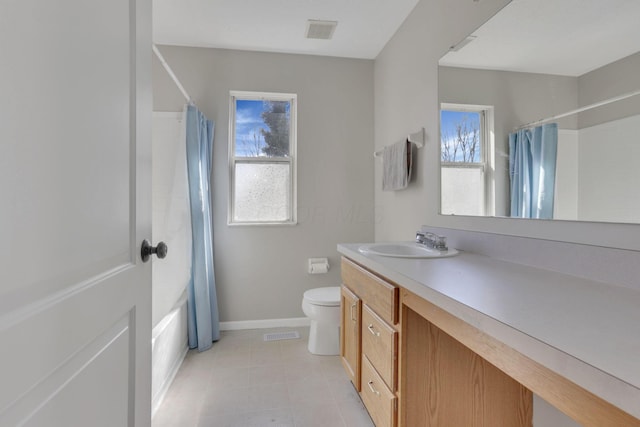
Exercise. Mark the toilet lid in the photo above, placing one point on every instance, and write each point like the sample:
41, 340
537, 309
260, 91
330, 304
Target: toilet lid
329, 296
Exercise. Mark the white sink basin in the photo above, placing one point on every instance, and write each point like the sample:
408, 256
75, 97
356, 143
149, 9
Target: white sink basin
404, 250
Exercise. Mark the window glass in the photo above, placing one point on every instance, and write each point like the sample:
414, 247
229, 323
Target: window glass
465, 176
461, 136
262, 128
262, 192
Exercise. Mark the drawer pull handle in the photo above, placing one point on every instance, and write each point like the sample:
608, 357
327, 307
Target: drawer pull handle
353, 306
373, 332
373, 390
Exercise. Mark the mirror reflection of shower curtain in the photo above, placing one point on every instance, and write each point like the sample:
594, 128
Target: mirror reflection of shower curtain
532, 170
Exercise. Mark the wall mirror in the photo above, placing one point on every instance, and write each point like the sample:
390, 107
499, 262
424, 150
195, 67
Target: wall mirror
540, 106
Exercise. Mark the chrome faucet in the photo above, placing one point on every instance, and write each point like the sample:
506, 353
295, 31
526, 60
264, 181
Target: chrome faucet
432, 241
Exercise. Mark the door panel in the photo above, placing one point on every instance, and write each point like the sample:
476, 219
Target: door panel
67, 384
90, 409
66, 83
75, 103
48, 336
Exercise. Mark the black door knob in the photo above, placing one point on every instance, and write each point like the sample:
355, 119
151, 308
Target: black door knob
147, 250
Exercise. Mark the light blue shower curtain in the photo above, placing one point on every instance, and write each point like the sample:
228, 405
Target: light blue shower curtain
202, 301
532, 169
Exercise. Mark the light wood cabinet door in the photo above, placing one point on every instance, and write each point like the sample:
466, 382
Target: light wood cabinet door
445, 384
350, 343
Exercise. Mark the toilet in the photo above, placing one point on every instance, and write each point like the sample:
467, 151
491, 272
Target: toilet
322, 306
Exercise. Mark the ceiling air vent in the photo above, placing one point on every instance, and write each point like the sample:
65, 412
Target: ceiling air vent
322, 30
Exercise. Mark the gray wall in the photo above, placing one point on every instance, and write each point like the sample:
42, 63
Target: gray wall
261, 271
612, 80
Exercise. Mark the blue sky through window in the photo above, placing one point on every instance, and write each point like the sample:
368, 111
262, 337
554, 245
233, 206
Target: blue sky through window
449, 122
249, 124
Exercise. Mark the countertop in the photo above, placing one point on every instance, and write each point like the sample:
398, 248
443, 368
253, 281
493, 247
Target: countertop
586, 331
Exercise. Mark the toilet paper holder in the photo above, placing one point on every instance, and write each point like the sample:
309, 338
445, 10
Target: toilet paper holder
318, 265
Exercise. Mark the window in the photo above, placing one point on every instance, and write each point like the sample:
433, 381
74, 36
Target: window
466, 166
262, 150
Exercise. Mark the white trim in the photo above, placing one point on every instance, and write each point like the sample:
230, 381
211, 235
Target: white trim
265, 96
29, 309
170, 72
264, 324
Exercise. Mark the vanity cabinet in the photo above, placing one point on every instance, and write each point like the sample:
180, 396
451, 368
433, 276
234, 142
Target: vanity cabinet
409, 372
372, 303
429, 359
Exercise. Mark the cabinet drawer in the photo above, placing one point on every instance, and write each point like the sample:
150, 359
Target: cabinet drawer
378, 399
381, 296
380, 345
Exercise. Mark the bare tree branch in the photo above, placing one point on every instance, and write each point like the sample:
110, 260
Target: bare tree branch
465, 143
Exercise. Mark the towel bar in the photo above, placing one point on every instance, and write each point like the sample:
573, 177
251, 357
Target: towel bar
417, 138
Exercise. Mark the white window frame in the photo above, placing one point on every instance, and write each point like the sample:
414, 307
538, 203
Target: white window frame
292, 98
487, 150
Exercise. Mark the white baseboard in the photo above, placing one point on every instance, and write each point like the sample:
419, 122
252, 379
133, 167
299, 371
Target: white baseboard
264, 324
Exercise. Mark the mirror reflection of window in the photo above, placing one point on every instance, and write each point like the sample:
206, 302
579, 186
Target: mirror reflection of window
466, 173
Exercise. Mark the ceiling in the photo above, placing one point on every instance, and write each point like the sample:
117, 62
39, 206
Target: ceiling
364, 26
563, 37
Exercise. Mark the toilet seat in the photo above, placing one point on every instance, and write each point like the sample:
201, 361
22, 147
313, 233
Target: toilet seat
326, 297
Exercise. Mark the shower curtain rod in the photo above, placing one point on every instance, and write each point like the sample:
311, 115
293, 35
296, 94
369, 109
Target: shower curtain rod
171, 73
581, 109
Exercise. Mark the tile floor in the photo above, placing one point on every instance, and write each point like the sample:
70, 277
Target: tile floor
245, 382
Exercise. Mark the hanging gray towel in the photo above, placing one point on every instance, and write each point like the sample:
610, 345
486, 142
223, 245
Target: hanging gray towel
396, 166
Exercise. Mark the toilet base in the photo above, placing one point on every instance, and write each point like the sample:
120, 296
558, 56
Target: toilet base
324, 339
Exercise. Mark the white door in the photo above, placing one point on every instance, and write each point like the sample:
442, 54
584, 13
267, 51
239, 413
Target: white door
75, 121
